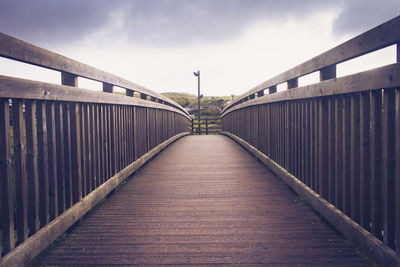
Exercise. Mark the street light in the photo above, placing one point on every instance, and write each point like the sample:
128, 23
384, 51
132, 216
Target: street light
197, 74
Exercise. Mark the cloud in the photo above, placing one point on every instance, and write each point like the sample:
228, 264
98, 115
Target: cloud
156, 22
358, 16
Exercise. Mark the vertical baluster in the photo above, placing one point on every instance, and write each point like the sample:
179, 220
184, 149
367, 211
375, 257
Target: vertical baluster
52, 160
376, 163
355, 157
346, 155
32, 166
42, 164
389, 167
83, 147
365, 165
7, 204
339, 152
60, 156
67, 154
20, 173
323, 147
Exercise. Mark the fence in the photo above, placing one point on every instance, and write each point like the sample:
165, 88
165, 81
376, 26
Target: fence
206, 126
336, 142
63, 148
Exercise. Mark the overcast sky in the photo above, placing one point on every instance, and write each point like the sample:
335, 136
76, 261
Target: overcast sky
236, 44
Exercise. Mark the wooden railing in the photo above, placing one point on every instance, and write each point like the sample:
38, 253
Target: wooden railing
336, 142
64, 148
206, 126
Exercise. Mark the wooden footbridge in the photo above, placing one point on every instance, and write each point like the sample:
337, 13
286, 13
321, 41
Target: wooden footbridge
308, 176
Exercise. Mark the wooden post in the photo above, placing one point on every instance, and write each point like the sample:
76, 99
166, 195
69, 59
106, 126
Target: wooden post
327, 73
143, 96
192, 125
273, 89
108, 88
129, 93
293, 83
206, 126
260, 93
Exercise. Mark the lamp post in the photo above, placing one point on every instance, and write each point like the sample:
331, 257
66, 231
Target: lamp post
198, 100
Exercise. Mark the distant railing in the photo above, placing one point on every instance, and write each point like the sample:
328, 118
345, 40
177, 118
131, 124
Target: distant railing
336, 142
64, 148
206, 126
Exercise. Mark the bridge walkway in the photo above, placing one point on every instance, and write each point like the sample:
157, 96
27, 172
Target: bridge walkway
203, 200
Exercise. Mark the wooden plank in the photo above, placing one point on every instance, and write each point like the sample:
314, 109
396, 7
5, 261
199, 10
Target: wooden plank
93, 147
7, 204
288, 132
32, 166
331, 150
308, 142
17, 88
383, 77
313, 145
75, 116
67, 155
346, 131
338, 152
97, 145
82, 115
379, 37
316, 146
389, 164
376, 164
355, 157
106, 148
365, 164
52, 160
43, 164
59, 131
20, 171
88, 148
113, 146
323, 148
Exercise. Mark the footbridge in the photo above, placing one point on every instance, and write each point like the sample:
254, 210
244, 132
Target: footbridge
306, 176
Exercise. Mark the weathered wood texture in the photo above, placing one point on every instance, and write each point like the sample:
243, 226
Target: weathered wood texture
339, 136
59, 143
190, 206
379, 37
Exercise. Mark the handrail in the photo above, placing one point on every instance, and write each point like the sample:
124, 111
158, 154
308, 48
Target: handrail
382, 36
64, 148
19, 50
335, 142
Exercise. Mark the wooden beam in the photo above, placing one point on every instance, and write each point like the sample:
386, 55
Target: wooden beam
18, 88
383, 77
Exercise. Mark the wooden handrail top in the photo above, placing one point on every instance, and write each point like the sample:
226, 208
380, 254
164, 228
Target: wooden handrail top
382, 36
19, 50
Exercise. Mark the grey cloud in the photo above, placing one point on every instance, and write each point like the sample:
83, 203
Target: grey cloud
358, 16
159, 22
168, 22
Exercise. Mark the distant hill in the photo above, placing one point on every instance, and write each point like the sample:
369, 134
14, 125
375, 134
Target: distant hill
210, 105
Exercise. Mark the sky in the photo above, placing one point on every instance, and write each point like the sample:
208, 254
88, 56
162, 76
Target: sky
236, 44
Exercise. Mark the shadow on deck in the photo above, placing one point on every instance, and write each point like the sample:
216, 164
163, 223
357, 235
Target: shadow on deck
204, 200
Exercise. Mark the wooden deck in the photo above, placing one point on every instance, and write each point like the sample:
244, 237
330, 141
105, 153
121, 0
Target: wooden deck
204, 200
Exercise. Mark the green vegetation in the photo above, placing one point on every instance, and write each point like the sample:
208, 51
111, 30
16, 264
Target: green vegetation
210, 106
